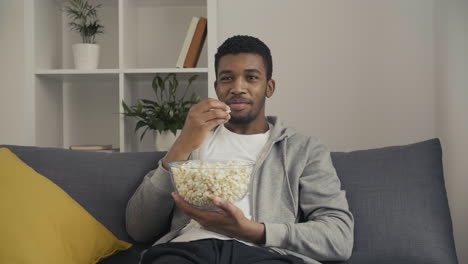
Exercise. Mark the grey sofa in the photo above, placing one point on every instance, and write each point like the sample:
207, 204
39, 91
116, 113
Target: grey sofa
397, 195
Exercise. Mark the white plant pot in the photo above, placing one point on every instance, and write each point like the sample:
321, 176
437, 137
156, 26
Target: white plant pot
165, 140
85, 56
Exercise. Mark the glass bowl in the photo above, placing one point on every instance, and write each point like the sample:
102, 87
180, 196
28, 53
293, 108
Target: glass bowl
199, 181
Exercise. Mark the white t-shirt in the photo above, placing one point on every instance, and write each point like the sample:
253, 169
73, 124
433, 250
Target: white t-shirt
224, 144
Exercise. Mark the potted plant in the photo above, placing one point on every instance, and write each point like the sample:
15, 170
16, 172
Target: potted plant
166, 115
84, 20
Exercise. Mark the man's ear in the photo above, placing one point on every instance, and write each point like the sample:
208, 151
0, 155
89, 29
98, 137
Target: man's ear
270, 89
214, 86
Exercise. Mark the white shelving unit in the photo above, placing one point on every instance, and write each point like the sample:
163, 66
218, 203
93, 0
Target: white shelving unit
142, 38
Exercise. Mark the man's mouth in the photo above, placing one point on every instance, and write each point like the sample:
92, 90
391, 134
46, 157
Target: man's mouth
237, 106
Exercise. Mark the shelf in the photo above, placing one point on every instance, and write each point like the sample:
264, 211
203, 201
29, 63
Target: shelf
57, 72
167, 70
182, 3
80, 75
82, 110
53, 38
154, 31
182, 76
142, 38
148, 74
138, 86
73, 71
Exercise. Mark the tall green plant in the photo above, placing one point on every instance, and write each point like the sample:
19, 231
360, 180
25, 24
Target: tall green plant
84, 19
167, 112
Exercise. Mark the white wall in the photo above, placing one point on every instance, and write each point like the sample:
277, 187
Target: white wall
452, 112
368, 73
11, 72
361, 71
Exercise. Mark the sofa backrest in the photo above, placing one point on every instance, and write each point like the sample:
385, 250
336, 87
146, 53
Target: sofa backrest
396, 194
398, 198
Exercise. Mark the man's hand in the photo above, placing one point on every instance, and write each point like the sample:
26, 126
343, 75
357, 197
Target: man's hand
201, 118
229, 221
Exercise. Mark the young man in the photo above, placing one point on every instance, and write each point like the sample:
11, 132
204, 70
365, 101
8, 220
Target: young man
295, 211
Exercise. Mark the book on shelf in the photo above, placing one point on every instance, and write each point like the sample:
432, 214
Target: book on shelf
193, 53
90, 147
107, 150
187, 41
193, 44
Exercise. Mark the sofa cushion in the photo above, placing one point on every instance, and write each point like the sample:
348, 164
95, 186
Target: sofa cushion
43, 224
100, 182
397, 196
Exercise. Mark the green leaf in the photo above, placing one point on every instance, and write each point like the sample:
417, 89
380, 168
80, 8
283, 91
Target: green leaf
171, 90
176, 82
168, 76
191, 79
166, 113
140, 124
160, 82
154, 84
139, 107
160, 125
187, 103
193, 98
150, 102
174, 131
125, 107
143, 134
84, 19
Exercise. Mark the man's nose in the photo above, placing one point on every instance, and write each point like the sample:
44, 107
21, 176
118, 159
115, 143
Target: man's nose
239, 86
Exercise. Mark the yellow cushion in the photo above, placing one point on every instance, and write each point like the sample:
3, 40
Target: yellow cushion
41, 223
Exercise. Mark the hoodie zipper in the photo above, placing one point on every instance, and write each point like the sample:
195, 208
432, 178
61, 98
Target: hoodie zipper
257, 165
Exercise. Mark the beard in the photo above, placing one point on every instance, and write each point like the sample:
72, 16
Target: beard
249, 117
242, 120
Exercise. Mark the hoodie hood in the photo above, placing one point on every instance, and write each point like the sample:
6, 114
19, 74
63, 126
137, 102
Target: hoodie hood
279, 131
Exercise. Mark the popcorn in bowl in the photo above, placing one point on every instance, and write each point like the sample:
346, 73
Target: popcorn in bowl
199, 181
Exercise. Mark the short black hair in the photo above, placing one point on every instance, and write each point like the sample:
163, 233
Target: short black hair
245, 44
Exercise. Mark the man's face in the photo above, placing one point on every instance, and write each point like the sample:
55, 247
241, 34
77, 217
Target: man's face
242, 84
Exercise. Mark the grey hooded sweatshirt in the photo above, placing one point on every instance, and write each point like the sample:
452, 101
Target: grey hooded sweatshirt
295, 193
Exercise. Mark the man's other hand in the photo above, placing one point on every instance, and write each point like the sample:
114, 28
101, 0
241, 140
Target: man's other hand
229, 220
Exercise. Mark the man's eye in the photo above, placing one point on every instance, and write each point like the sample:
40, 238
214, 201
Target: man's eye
252, 77
226, 78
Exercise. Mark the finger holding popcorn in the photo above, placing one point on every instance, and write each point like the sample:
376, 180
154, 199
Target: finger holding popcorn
198, 123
